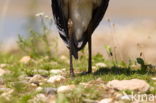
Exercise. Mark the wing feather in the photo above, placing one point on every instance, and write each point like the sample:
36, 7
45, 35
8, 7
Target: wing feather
97, 16
60, 19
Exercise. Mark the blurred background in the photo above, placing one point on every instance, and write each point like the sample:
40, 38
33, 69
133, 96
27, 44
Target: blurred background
129, 27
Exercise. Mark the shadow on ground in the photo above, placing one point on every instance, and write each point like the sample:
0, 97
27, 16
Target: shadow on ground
125, 71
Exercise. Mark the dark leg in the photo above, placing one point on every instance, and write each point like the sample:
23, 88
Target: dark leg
71, 63
90, 55
70, 26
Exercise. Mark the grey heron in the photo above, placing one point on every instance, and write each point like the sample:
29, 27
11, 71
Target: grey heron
76, 21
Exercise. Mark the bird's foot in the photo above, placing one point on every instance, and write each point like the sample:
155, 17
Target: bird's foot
86, 73
72, 74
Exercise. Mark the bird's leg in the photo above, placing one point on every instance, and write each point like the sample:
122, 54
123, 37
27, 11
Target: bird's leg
90, 55
70, 26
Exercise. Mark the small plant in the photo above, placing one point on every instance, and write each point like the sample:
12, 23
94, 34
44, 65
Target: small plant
37, 43
144, 66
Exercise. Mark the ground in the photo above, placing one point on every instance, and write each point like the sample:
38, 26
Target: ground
28, 80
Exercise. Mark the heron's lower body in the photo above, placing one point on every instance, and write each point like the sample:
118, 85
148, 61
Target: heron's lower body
70, 28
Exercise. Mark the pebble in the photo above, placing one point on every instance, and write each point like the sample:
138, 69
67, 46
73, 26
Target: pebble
67, 88
39, 89
44, 98
37, 78
2, 72
25, 59
101, 65
49, 91
154, 78
56, 71
3, 65
107, 100
133, 85
56, 78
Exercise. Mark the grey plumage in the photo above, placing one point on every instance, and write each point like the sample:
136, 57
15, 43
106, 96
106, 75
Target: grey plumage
85, 14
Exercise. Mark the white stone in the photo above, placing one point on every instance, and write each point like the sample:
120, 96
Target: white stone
101, 65
134, 85
107, 100
40, 97
64, 89
2, 72
44, 98
39, 89
37, 78
3, 65
56, 78
56, 71
25, 59
6, 93
154, 78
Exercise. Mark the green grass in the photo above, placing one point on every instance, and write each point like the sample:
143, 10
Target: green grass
24, 92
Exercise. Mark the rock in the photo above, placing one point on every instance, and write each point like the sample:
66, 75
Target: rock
67, 88
6, 93
101, 65
50, 91
154, 78
44, 98
34, 85
37, 79
2, 72
56, 71
39, 89
133, 85
107, 100
55, 79
25, 60
3, 65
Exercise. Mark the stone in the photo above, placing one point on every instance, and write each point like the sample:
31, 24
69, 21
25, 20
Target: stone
56, 78
25, 59
2, 72
67, 88
3, 65
107, 100
44, 98
37, 78
49, 91
6, 93
133, 85
101, 65
39, 89
57, 71
154, 78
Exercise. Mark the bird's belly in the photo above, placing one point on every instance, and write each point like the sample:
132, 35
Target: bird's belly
81, 14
